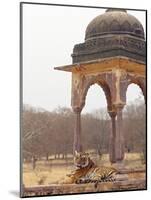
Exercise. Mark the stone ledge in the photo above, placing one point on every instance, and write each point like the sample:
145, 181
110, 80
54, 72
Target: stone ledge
56, 189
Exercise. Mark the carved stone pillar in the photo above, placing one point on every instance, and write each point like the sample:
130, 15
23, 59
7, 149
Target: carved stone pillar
119, 141
112, 153
77, 143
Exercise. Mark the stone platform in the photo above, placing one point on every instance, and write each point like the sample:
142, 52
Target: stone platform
56, 189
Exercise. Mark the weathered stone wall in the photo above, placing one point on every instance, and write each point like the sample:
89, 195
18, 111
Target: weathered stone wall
103, 47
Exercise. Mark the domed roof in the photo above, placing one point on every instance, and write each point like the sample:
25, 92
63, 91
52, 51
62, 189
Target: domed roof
114, 33
114, 21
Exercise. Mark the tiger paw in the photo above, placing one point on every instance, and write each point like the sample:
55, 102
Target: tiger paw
79, 181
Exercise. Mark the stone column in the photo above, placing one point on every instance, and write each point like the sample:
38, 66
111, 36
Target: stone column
77, 143
119, 141
112, 137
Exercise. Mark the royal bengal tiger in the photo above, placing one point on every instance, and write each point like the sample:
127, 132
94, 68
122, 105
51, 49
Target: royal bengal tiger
87, 172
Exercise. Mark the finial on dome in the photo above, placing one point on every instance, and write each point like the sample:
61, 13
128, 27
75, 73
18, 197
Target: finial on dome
116, 9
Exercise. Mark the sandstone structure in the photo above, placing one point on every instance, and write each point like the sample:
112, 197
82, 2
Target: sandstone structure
113, 56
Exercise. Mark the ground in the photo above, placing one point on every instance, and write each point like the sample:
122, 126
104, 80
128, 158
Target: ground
49, 172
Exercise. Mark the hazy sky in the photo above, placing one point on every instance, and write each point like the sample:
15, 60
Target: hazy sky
49, 35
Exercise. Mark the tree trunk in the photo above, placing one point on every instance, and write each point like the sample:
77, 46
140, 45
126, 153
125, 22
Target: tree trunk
34, 162
47, 156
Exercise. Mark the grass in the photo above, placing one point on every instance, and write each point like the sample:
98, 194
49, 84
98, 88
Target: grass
48, 172
36, 176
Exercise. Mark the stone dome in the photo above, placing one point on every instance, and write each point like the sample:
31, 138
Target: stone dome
114, 21
114, 33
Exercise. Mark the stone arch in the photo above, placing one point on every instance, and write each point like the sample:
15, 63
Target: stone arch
124, 83
136, 87
138, 110
140, 83
103, 84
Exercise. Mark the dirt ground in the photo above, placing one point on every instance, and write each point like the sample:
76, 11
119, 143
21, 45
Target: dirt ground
48, 172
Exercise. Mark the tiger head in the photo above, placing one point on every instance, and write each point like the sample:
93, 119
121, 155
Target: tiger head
81, 159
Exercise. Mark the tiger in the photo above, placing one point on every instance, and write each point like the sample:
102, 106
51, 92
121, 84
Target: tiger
88, 172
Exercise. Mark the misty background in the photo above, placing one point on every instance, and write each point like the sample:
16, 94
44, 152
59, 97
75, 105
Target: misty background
49, 35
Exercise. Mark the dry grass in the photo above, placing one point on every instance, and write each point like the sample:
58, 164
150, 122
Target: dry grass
35, 176
51, 171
